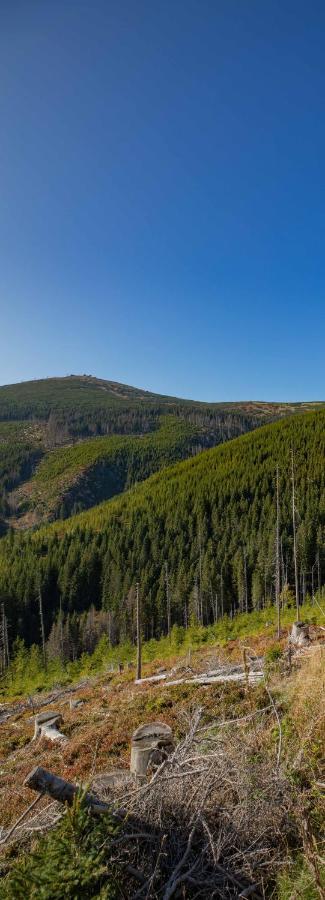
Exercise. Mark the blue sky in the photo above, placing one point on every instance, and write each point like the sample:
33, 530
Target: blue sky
162, 186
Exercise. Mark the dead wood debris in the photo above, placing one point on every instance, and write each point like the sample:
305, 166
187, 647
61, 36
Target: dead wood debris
215, 819
211, 822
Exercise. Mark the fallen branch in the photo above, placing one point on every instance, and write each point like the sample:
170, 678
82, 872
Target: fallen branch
21, 818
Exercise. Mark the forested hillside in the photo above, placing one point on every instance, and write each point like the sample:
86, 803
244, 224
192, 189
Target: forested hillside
84, 406
78, 476
38, 419
21, 447
200, 534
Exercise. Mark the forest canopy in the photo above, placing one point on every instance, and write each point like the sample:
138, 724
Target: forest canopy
206, 525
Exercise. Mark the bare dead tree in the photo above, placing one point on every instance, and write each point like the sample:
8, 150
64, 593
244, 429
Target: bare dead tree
318, 571
277, 552
200, 580
61, 632
312, 582
221, 591
245, 579
40, 606
139, 642
168, 599
294, 533
4, 643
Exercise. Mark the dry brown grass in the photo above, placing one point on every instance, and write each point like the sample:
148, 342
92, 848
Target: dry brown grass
254, 810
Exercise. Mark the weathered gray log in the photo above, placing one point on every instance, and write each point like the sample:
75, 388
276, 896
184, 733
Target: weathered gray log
47, 725
154, 738
299, 634
44, 782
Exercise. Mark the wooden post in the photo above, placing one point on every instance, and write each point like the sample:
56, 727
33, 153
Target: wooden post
277, 553
294, 533
139, 667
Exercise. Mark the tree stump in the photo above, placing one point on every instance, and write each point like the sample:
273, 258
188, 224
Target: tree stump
75, 704
47, 725
299, 634
147, 743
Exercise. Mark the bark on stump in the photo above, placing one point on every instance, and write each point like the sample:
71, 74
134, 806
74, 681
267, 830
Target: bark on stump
47, 725
299, 634
147, 743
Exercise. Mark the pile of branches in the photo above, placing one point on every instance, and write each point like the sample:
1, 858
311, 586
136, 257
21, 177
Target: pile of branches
215, 820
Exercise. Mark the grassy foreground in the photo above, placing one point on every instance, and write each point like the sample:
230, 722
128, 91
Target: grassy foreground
273, 803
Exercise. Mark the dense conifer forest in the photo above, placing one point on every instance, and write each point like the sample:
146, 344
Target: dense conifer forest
199, 535
47, 420
78, 476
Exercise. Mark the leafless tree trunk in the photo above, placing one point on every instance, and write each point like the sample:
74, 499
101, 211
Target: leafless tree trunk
294, 533
200, 581
277, 552
312, 582
221, 591
4, 645
139, 667
214, 604
42, 625
245, 580
167, 600
61, 632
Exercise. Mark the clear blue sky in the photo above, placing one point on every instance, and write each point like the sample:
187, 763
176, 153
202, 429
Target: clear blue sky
162, 194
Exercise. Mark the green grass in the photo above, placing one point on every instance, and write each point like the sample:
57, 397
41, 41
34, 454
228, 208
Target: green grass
97, 468
27, 674
298, 881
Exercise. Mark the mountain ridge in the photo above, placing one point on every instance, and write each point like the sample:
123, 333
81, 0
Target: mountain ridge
126, 391
52, 417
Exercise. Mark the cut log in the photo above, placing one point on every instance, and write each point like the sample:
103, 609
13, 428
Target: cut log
44, 782
214, 676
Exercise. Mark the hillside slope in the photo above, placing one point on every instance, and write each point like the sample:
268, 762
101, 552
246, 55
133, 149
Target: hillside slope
86, 404
248, 759
38, 418
75, 477
211, 519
